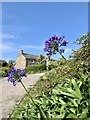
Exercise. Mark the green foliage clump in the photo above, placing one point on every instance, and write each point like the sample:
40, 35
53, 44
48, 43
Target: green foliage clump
41, 67
3, 63
4, 71
35, 68
83, 53
52, 64
41, 58
6, 67
11, 63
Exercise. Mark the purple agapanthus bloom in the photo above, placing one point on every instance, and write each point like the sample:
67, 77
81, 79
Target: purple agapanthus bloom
64, 43
49, 54
23, 74
53, 44
15, 82
15, 75
62, 51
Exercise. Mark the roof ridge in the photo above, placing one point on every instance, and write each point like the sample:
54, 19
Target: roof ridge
29, 54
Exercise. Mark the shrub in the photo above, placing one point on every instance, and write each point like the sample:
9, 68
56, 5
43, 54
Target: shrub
52, 64
3, 63
11, 64
4, 71
35, 68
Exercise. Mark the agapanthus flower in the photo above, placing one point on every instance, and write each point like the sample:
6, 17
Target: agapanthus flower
64, 43
60, 40
62, 51
54, 44
22, 73
15, 75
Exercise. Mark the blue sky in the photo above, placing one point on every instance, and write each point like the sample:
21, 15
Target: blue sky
27, 25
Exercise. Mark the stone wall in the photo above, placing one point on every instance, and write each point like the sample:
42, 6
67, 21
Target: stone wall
20, 62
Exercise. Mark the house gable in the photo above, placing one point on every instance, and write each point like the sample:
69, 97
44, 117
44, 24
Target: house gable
20, 62
24, 60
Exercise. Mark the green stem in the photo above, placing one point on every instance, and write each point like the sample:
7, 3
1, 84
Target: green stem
63, 56
39, 108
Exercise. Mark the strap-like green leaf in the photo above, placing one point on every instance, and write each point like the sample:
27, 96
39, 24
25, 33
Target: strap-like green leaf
71, 116
74, 102
61, 101
74, 93
77, 89
72, 110
67, 94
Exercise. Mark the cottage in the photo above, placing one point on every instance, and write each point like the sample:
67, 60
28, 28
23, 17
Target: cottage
24, 60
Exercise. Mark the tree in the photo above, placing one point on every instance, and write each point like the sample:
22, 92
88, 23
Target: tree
11, 63
3, 63
40, 58
84, 52
84, 39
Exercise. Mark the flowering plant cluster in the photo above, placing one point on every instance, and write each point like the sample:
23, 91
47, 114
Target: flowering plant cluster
15, 75
53, 44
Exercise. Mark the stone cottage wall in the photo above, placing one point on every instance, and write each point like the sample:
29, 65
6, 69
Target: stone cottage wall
20, 62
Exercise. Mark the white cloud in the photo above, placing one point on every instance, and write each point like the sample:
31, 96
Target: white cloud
7, 47
8, 36
4, 36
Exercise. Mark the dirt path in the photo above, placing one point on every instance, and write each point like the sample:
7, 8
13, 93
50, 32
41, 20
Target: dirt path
11, 96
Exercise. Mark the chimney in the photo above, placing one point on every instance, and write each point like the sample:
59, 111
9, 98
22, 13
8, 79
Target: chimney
21, 52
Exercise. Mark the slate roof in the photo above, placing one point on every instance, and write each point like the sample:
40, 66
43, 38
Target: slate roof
29, 56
